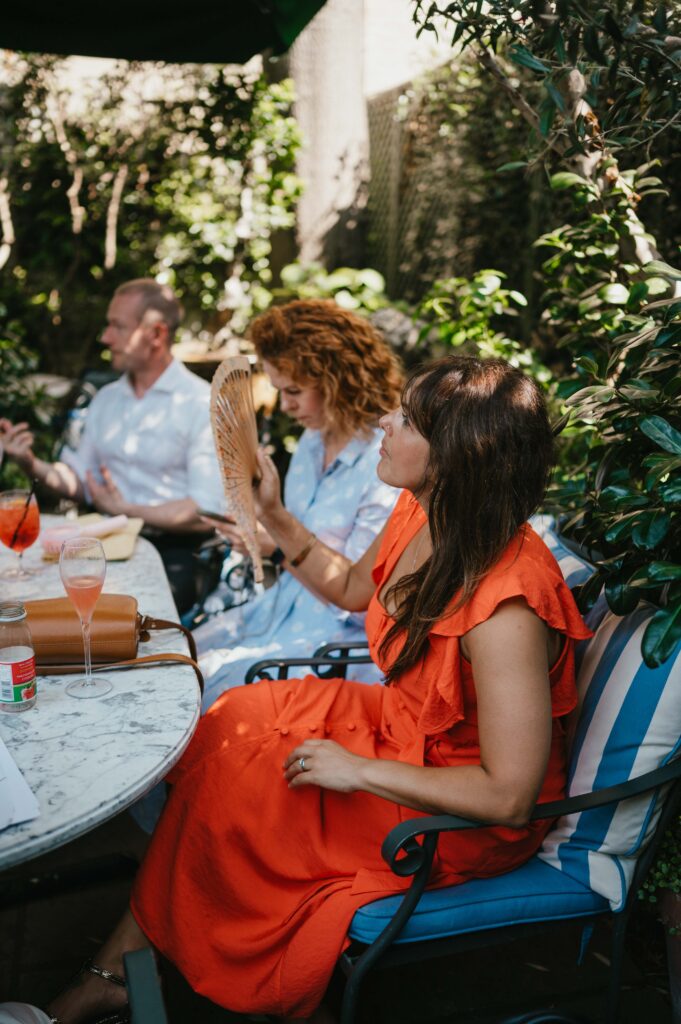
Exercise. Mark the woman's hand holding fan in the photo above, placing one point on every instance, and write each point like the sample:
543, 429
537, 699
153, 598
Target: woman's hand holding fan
236, 441
231, 533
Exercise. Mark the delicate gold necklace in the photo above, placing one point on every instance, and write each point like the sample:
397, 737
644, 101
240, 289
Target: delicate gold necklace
417, 551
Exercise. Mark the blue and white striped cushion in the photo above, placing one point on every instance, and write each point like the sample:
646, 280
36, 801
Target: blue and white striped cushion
575, 570
629, 723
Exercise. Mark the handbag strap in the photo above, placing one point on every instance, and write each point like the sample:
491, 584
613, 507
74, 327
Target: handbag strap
147, 659
148, 622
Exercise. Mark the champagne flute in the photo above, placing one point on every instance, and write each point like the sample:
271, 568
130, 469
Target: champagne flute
19, 527
82, 567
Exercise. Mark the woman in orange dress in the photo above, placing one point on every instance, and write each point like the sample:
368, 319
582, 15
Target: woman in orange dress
271, 836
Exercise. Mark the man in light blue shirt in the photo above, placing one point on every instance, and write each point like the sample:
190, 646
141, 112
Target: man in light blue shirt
147, 447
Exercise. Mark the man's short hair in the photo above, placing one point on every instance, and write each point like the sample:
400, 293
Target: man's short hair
158, 297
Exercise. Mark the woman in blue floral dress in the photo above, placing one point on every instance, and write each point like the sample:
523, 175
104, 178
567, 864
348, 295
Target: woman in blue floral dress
336, 376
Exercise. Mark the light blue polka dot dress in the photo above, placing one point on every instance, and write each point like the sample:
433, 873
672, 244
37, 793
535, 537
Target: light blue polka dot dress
346, 505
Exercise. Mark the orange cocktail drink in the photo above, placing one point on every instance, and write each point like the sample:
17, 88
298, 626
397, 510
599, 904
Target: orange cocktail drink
83, 592
19, 525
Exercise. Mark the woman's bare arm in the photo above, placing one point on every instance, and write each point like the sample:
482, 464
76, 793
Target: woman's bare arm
508, 653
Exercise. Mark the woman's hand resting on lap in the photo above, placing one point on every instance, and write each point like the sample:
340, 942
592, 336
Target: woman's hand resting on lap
327, 764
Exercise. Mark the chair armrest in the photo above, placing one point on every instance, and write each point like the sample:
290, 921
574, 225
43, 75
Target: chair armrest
327, 650
282, 665
402, 839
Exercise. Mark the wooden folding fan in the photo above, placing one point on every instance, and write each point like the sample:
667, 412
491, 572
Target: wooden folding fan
236, 438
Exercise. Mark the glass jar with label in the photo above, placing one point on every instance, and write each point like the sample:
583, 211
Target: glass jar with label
18, 685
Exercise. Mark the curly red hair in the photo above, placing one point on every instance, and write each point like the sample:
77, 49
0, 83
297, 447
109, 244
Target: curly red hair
318, 344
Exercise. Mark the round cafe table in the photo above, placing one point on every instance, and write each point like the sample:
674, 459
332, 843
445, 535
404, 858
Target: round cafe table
86, 760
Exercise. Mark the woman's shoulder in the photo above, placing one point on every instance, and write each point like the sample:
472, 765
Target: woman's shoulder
528, 570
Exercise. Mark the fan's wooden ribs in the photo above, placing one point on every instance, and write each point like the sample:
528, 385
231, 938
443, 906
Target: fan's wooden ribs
236, 440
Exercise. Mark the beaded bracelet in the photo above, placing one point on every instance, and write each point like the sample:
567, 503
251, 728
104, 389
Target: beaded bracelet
295, 562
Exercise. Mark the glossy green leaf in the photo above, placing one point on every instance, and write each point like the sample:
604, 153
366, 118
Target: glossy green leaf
655, 574
662, 634
559, 45
612, 28
660, 19
521, 55
615, 293
622, 528
514, 165
555, 95
663, 270
614, 497
638, 292
592, 45
588, 364
671, 493
621, 598
651, 528
659, 466
639, 393
660, 286
642, 582
664, 572
567, 179
594, 391
662, 433
669, 335
547, 114
587, 595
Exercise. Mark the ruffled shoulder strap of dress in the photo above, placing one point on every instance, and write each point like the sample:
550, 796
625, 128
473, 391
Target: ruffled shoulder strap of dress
526, 569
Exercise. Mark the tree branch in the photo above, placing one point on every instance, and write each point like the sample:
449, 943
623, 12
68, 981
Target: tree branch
519, 101
112, 217
8, 236
57, 118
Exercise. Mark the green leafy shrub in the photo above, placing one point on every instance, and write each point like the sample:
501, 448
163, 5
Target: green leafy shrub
665, 872
186, 182
22, 400
609, 80
469, 314
359, 290
619, 476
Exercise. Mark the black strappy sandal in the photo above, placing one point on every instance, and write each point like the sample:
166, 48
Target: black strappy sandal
121, 1016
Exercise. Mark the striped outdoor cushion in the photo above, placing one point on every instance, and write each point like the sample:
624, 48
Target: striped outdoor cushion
575, 570
629, 723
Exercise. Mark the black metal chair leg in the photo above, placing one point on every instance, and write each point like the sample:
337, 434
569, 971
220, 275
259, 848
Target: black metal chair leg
619, 932
374, 952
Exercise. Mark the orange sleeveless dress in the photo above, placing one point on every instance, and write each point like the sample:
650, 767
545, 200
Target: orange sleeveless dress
249, 887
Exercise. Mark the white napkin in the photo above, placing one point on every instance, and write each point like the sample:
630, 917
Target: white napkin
53, 538
17, 802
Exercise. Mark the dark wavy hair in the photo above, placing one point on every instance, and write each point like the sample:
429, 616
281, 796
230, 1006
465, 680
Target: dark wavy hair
491, 453
319, 344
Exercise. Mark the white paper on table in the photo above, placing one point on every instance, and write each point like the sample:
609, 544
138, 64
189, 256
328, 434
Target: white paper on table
17, 801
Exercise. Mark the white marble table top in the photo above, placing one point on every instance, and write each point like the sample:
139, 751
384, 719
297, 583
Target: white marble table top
86, 760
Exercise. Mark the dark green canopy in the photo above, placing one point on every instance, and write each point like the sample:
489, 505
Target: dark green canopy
199, 31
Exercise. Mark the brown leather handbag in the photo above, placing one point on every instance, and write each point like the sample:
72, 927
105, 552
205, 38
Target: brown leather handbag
117, 628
